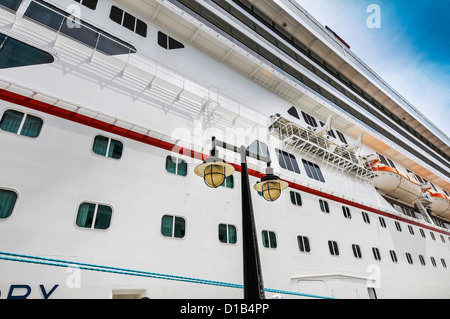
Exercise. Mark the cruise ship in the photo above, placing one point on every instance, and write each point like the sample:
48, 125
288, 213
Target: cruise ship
209, 149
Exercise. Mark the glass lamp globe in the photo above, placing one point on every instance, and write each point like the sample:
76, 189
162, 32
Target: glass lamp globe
214, 171
271, 186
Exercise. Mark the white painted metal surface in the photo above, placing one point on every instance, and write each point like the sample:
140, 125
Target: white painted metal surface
154, 102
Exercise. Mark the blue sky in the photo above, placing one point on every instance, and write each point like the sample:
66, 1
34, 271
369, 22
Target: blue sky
411, 50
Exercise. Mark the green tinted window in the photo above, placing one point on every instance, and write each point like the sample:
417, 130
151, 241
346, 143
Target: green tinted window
172, 226
32, 126
107, 147
11, 4
269, 239
176, 166
94, 216
228, 182
227, 234
11, 121
7, 202
14, 53
20, 123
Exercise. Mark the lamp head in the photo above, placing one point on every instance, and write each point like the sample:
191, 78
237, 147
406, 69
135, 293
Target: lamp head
214, 171
271, 186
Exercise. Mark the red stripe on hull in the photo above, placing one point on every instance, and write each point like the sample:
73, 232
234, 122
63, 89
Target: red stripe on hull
117, 130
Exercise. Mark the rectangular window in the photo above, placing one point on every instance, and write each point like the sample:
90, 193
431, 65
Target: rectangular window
91, 4
288, 161
141, 28
14, 53
79, 31
43, 13
303, 244
311, 121
259, 148
398, 226
408, 212
431, 184
11, 121
346, 212
176, 166
330, 132
357, 251
433, 261
376, 253
366, 217
383, 160
168, 43
422, 233
386, 161
432, 235
7, 202
444, 264
128, 21
32, 126
107, 147
227, 234
269, 239
174, 227
296, 198
11, 4
382, 222
313, 171
228, 182
58, 20
333, 247
324, 206
409, 258
421, 181
20, 123
411, 174
393, 256
293, 112
94, 216
422, 260
116, 15
341, 137
391, 163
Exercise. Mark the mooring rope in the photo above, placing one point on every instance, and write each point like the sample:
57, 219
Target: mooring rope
131, 272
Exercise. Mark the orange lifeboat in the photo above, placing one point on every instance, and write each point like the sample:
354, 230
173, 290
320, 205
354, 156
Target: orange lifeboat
440, 205
397, 185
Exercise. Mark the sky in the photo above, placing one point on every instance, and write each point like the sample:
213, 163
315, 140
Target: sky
410, 50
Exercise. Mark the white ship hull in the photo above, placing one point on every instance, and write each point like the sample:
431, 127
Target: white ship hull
158, 104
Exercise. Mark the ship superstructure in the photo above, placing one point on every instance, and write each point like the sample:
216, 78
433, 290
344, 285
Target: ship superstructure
107, 107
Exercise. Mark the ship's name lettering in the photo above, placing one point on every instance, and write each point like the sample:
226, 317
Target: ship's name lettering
24, 291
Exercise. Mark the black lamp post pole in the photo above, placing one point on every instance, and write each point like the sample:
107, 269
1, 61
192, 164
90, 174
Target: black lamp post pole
253, 281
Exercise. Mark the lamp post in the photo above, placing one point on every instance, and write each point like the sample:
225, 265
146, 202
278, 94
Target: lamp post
214, 171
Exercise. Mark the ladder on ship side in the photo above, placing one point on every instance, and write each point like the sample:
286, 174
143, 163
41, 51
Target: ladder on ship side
304, 140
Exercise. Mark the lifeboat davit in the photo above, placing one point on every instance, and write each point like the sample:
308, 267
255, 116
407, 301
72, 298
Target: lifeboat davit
397, 185
440, 205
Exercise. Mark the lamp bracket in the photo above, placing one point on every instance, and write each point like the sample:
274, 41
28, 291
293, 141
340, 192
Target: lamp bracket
240, 150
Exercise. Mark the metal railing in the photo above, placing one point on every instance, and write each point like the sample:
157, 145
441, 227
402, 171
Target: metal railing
77, 29
304, 140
